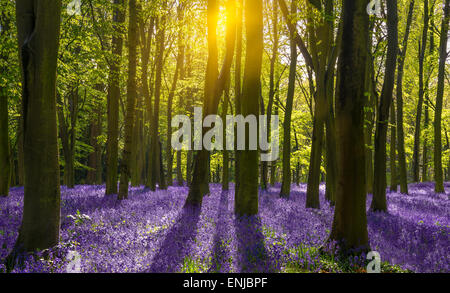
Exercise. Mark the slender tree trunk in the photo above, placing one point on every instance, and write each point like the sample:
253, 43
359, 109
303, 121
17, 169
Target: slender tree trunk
20, 151
286, 179
417, 132
94, 175
392, 150
137, 156
177, 75
112, 149
247, 198
38, 25
273, 61
5, 165
145, 47
225, 152
131, 101
438, 174
350, 223
399, 97
68, 134
157, 177
5, 151
379, 185
214, 87
238, 88
369, 115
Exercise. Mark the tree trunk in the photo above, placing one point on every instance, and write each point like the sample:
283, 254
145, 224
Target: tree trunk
112, 149
38, 25
350, 223
417, 132
400, 133
438, 174
286, 179
392, 152
379, 185
154, 156
131, 101
178, 74
238, 88
214, 87
273, 61
225, 152
94, 175
369, 115
68, 134
247, 198
5, 166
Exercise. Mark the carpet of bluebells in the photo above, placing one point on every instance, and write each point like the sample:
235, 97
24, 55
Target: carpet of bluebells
152, 232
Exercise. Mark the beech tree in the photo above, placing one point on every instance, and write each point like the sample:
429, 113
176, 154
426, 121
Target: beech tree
379, 185
438, 173
247, 195
350, 223
38, 27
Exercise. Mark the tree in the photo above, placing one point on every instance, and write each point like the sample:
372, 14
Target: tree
67, 132
350, 223
5, 165
379, 185
4, 145
38, 26
112, 149
247, 197
131, 100
392, 150
323, 55
238, 87
178, 74
215, 84
155, 150
286, 179
94, 175
417, 132
438, 174
403, 177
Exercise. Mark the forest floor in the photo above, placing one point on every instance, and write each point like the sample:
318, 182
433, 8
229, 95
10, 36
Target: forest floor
151, 232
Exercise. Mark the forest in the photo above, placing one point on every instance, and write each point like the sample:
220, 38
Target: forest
342, 152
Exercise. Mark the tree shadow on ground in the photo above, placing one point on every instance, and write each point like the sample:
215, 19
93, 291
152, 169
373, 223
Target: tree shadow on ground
252, 255
175, 246
221, 243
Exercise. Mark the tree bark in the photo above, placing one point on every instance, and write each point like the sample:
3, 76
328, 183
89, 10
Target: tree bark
131, 101
438, 174
350, 223
214, 87
273, 61
95, 158
154, 156
5, 166
392, 150
38, 25
5, 152
112, 145
177, 75
403, 178
247, 198
286, 179
379, 185
417, 131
